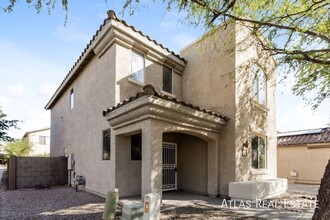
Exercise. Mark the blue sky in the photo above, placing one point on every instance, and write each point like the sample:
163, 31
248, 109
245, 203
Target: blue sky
37, 51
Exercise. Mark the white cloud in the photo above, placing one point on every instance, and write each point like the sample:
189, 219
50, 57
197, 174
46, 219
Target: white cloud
16, 90
27, 83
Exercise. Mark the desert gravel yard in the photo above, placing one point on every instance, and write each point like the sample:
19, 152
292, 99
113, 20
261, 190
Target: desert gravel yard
54, 203
65, 203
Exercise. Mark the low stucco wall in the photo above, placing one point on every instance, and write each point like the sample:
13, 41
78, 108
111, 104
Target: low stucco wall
308, 162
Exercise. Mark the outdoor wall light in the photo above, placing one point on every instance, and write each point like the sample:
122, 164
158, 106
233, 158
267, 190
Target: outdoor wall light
245, 148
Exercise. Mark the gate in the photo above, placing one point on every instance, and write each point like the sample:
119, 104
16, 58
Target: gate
169, 166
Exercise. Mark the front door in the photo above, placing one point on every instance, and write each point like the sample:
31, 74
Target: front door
169, 166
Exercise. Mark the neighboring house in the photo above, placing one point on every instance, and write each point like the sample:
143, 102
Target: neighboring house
147, 140
40, 141
303, 155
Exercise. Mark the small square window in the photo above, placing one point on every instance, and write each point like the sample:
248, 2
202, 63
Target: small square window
71, 99
42, 140
65, 152
167, 79
258, 152
136, 147
137, 66
106, 145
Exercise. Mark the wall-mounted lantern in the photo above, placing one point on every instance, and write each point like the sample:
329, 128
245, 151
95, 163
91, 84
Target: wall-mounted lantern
245, 148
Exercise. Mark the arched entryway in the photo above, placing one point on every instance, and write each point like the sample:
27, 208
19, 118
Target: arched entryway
190, 156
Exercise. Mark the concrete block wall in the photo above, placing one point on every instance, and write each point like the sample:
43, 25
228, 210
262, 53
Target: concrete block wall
31, 171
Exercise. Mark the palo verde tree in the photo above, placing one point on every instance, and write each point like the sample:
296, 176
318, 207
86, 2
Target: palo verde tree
297, 33
18, 148
5, 125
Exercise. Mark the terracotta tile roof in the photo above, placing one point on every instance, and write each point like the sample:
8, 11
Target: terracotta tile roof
164, 97
311, 136
87, 54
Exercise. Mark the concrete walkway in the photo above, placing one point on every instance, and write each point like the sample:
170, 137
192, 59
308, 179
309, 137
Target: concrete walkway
181, 199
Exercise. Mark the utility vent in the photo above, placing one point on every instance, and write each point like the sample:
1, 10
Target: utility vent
293, 174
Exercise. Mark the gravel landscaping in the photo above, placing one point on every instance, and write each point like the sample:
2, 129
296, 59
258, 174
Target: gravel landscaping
54, 203
66, 203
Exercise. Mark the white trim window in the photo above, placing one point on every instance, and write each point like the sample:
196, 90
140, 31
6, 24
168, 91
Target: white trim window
167, 79
71, 99
137, 66
258, 152
259, 85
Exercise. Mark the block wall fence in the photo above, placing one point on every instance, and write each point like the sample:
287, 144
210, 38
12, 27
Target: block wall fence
27, 172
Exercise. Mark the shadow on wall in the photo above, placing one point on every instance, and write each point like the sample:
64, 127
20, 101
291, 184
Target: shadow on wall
252, 119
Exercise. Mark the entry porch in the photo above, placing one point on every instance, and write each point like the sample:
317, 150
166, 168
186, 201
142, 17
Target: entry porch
160, 144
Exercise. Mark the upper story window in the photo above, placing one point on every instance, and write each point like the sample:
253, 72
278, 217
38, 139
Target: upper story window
42, 140
106, 145
258, 152
71, 99
167, 79
137, 67
259, 85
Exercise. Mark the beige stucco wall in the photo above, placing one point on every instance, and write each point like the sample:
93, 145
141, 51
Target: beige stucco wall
128, 172
251, 117
208, 82
308, 162
80, 129
217, 77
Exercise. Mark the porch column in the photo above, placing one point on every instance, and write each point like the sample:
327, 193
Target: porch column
212, 168
151, 159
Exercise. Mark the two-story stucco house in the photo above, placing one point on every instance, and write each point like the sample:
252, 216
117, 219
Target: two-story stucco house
140, 118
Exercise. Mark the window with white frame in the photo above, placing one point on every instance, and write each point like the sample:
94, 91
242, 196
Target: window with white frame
137, 66
42, 140
258, 152
106, 145
258, 85
71, 99
167, 79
